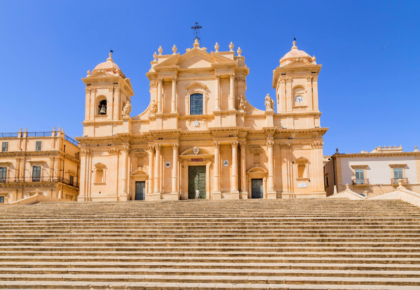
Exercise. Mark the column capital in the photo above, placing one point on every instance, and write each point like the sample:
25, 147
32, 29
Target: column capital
174, 79
242, 143
113, 151
216, 144
158, 146
126, 148
270, 143
309, 78
232, 75
217, 76
151, 147
234, 144
159, 80
288, 80
175, 145
315, 78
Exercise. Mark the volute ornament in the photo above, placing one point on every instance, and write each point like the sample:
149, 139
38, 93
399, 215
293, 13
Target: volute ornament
153, 108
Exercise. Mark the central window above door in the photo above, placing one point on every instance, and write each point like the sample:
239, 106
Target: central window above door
196, 104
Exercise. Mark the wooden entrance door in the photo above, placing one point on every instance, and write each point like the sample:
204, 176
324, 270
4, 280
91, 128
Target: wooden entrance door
196, 180
140, 190
257, 188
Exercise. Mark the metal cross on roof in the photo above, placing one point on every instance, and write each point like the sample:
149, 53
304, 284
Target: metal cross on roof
196, 32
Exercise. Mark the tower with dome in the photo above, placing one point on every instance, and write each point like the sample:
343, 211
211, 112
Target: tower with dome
199, 132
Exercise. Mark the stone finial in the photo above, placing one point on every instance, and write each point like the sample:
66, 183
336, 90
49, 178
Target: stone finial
231, 46
336, 150
216, 47
155, 56
415, 149
160, 50
196, 44
88, 72
20, 130
53, 128
400, 184
314, 59
110, 57
294, 44
26, 130
239, 51
174, 49
347, 186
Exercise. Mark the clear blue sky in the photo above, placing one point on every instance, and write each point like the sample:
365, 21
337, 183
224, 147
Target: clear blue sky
370, 52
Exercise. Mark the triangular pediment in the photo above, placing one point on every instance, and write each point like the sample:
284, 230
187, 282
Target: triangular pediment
195, 58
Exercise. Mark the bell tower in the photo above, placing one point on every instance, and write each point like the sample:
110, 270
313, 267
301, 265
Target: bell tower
108, 91
296, 84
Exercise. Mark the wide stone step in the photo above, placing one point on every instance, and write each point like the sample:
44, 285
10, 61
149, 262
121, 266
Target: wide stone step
212, 272
213, 279
203, 254
351, 260
194, 265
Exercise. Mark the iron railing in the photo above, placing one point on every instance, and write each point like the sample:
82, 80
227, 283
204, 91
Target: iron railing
359, 181
34, 179
15, 135
395, 180
39, 134
71, 140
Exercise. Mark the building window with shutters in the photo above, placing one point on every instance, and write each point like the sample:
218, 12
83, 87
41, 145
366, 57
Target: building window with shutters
3, 174
360, 176
38, 146
398, 174
196, 104
4, 146
1, 199
36, 173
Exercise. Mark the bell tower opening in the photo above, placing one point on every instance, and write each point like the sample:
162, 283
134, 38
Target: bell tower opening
102, 107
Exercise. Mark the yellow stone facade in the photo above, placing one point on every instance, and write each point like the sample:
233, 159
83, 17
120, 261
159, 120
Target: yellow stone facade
200, 132
44, 163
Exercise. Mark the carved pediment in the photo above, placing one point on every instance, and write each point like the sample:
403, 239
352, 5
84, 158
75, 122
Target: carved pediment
194, 58
195, 85
257, 170
139, 172
190, 151
256, 149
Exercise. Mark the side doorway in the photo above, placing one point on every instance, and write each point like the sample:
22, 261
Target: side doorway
257, 188
140, 190
196, 180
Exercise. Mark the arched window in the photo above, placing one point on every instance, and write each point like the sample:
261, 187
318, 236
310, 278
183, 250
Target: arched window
102, 107
196, 104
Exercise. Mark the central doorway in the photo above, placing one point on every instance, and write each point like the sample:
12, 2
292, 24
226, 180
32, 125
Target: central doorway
257, 188
196, 180
140, 190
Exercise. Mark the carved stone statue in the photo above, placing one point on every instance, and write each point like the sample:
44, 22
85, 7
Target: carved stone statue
269, 103
127, 109
153, 108
241, 104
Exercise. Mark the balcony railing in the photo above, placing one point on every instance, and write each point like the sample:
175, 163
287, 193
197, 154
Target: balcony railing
71, 140
9, 135
360, 182
39, 134
35, 179
394, 181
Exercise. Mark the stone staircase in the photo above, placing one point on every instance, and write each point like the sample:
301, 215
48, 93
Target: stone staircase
241, 244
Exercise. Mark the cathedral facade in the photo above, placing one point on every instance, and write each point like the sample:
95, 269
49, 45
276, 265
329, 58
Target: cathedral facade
199, 134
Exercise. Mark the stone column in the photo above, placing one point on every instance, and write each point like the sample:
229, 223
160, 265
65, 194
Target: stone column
173, 103
217, 98
216, 182
157, 168
309, 102
315, 92
234, 187
159, 96
175, 168
244, 190
270, 185
281, 106
289, 101
151, 155
125, 150
232, 92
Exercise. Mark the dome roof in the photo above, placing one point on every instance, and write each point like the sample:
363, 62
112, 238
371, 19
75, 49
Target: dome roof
293, 54
110, 66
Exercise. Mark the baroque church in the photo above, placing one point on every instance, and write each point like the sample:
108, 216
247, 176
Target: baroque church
199, 133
